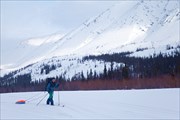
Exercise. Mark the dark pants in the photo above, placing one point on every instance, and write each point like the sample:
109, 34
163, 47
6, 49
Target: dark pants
50, 99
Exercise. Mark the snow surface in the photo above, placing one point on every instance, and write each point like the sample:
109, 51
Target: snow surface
110, 104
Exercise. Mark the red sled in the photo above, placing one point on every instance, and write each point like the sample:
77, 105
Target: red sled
21, 102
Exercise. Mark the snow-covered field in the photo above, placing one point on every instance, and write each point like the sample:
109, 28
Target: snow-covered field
120, 104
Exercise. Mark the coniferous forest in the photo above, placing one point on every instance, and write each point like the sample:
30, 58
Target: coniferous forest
157, 71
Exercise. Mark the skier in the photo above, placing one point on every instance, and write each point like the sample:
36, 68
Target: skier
51, 85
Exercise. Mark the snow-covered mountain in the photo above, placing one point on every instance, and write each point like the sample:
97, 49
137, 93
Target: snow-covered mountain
151, 25
126, 26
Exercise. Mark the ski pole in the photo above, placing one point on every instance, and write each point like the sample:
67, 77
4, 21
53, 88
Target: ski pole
41, 99
58, 94
58, 99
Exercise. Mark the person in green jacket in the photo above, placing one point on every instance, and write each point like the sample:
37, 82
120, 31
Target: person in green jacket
51, 85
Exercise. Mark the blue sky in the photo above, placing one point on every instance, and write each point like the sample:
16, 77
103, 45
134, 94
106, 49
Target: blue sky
28, 19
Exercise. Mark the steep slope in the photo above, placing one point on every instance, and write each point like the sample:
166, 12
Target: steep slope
118, 29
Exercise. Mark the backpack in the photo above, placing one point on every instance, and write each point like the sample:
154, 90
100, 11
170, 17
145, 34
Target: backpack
48, 80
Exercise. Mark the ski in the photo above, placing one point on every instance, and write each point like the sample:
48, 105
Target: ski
61, 105
57, 105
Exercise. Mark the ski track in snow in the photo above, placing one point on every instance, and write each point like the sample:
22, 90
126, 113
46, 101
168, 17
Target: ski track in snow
111, 104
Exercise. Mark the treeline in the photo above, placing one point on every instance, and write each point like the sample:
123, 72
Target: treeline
157, 71
19, 83
144, 67
164, 81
